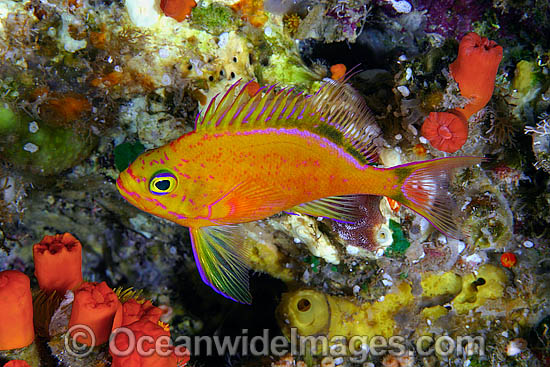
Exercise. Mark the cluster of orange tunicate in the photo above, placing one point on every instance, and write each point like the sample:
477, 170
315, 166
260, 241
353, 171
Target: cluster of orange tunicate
58, 269
475, 71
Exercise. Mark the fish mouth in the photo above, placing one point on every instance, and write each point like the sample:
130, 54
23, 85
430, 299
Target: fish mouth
130, 196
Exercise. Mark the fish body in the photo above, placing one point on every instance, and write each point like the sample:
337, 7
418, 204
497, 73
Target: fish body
252, 157
237, 177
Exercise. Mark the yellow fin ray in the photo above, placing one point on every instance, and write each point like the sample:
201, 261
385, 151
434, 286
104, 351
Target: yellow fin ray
221, 259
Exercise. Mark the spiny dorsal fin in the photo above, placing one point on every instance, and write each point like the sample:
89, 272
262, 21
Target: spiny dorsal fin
335, 111
341, 106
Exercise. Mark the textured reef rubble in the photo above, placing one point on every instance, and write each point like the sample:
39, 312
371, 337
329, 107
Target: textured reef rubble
87, 85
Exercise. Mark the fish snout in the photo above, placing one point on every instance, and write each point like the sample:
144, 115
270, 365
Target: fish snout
126, 189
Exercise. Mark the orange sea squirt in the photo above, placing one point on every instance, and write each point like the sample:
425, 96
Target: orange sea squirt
338, 71
252, 88
134, 310
16, 312
17, 363
159, 335
177, 9
446, 131
475, 71
95, 305
508, 259
58, 263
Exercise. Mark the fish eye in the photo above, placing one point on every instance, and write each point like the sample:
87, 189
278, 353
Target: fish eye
162, 183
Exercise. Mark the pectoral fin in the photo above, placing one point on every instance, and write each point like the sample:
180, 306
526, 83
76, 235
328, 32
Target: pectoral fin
339, 208
222, 260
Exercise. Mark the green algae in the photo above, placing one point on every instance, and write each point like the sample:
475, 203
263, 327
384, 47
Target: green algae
126, 153
45, 150
214, 18
400, 243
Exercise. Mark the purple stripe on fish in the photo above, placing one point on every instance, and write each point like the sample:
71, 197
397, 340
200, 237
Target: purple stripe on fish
179, 216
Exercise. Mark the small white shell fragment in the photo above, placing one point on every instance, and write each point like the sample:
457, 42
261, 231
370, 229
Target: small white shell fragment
408, 74
404, 90
196, 66
33, 127
224, 39
401, 6
398, 137
528, 244
166, 80
69, 43
390, 157
474, 259
403, 58
143, 13
268, 31
164, 52
412, 129
423, 140
516, 346
352, 250
30, 147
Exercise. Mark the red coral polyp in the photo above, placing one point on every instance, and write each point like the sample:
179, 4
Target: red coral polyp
446, 131
177, 9
475, 71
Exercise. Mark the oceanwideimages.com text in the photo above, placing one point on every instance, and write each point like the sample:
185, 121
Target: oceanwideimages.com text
358, 348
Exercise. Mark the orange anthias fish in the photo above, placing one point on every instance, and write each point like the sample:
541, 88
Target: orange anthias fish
251, 157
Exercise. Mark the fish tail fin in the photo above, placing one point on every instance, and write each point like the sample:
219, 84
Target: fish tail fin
424, 188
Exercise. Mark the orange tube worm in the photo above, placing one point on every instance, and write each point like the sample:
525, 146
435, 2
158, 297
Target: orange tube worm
16, 313
475, 70
58, 263
446, 131
94, 306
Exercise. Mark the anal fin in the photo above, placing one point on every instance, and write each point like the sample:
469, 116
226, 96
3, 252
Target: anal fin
222, 260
